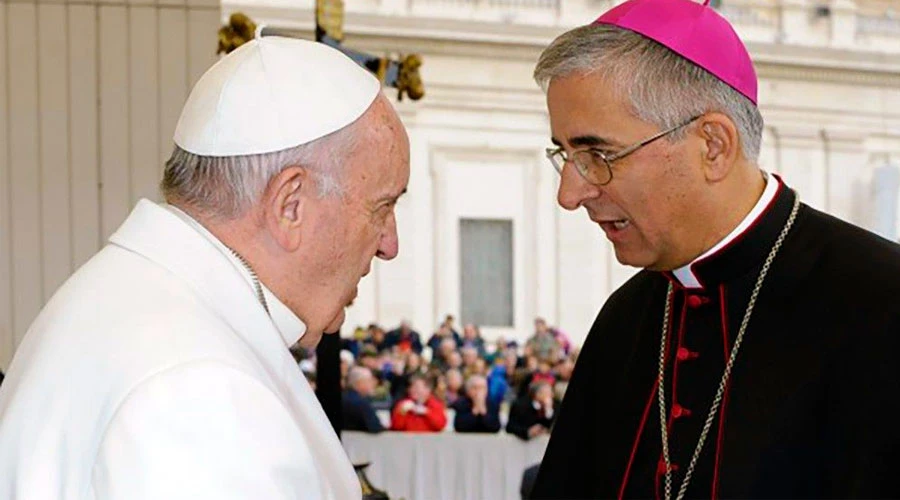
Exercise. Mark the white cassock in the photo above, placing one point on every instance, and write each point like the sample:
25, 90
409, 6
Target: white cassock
155, 373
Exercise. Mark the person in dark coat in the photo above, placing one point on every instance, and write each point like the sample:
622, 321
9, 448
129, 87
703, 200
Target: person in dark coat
400, 383
528, 478
774, 320
405, 338
533, 415
443, 333
472, 338
475, 412
357, 410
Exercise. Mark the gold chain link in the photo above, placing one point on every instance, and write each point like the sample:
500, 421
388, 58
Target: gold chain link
728, 366
257, 288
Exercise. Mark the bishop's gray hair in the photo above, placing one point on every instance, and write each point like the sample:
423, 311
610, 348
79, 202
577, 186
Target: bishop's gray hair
227, 186
663, 87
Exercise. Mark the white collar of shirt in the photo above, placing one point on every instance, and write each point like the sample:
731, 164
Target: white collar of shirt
685, 275
286, 322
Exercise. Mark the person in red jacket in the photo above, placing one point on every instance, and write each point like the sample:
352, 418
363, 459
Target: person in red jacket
420, 411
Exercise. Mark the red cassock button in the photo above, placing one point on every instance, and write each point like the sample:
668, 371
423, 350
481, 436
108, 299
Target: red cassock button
679, 411
695, 301
661, 467
685, 354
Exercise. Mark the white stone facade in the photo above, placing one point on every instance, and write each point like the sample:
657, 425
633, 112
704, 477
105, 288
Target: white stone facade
829, 91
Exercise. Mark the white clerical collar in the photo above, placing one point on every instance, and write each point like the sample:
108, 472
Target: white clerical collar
685, 275
286, 322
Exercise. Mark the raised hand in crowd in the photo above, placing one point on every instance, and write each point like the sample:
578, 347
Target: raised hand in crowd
537, 430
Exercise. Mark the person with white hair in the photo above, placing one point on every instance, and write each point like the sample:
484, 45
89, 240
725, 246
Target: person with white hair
755, 353
347, 361
357, 410
161, 368
475, 412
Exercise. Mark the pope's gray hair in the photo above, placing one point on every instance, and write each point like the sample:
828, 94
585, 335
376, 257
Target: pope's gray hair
227, 186
663, 87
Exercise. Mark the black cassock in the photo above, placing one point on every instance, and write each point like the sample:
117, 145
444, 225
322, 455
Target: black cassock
812, 407
328, 379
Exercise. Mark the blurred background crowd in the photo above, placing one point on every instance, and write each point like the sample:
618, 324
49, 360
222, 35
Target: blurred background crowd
399, 380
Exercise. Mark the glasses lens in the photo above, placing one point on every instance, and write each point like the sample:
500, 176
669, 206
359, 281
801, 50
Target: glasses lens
593, 167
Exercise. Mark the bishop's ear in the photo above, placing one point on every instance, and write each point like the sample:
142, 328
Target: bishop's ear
284, 201
721, 145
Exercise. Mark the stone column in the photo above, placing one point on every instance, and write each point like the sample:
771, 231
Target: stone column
847, 171
886, 187
843, 23
800, 24
802, 164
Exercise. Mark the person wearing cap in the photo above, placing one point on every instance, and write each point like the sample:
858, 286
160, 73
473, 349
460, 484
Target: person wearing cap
755, 355
161, 368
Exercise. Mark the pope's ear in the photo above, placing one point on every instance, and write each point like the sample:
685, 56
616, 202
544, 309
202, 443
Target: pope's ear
284, 204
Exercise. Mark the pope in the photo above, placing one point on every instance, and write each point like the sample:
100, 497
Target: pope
161, 368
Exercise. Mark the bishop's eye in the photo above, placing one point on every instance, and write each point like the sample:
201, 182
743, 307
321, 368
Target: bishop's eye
592, 157
600, 154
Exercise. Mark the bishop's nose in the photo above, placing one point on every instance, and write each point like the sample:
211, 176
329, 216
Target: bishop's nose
574, 189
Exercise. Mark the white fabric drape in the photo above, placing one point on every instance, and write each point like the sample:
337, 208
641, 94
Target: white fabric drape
445, 466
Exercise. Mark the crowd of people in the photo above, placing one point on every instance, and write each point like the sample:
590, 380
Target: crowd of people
485, 384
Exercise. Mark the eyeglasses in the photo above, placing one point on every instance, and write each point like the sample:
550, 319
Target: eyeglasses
595, 165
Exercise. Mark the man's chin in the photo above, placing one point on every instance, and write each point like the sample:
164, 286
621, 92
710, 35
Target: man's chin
631, 260
643, 259
335, 325
310, 339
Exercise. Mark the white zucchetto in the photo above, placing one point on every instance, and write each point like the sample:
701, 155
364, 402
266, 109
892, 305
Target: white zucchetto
273, 93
